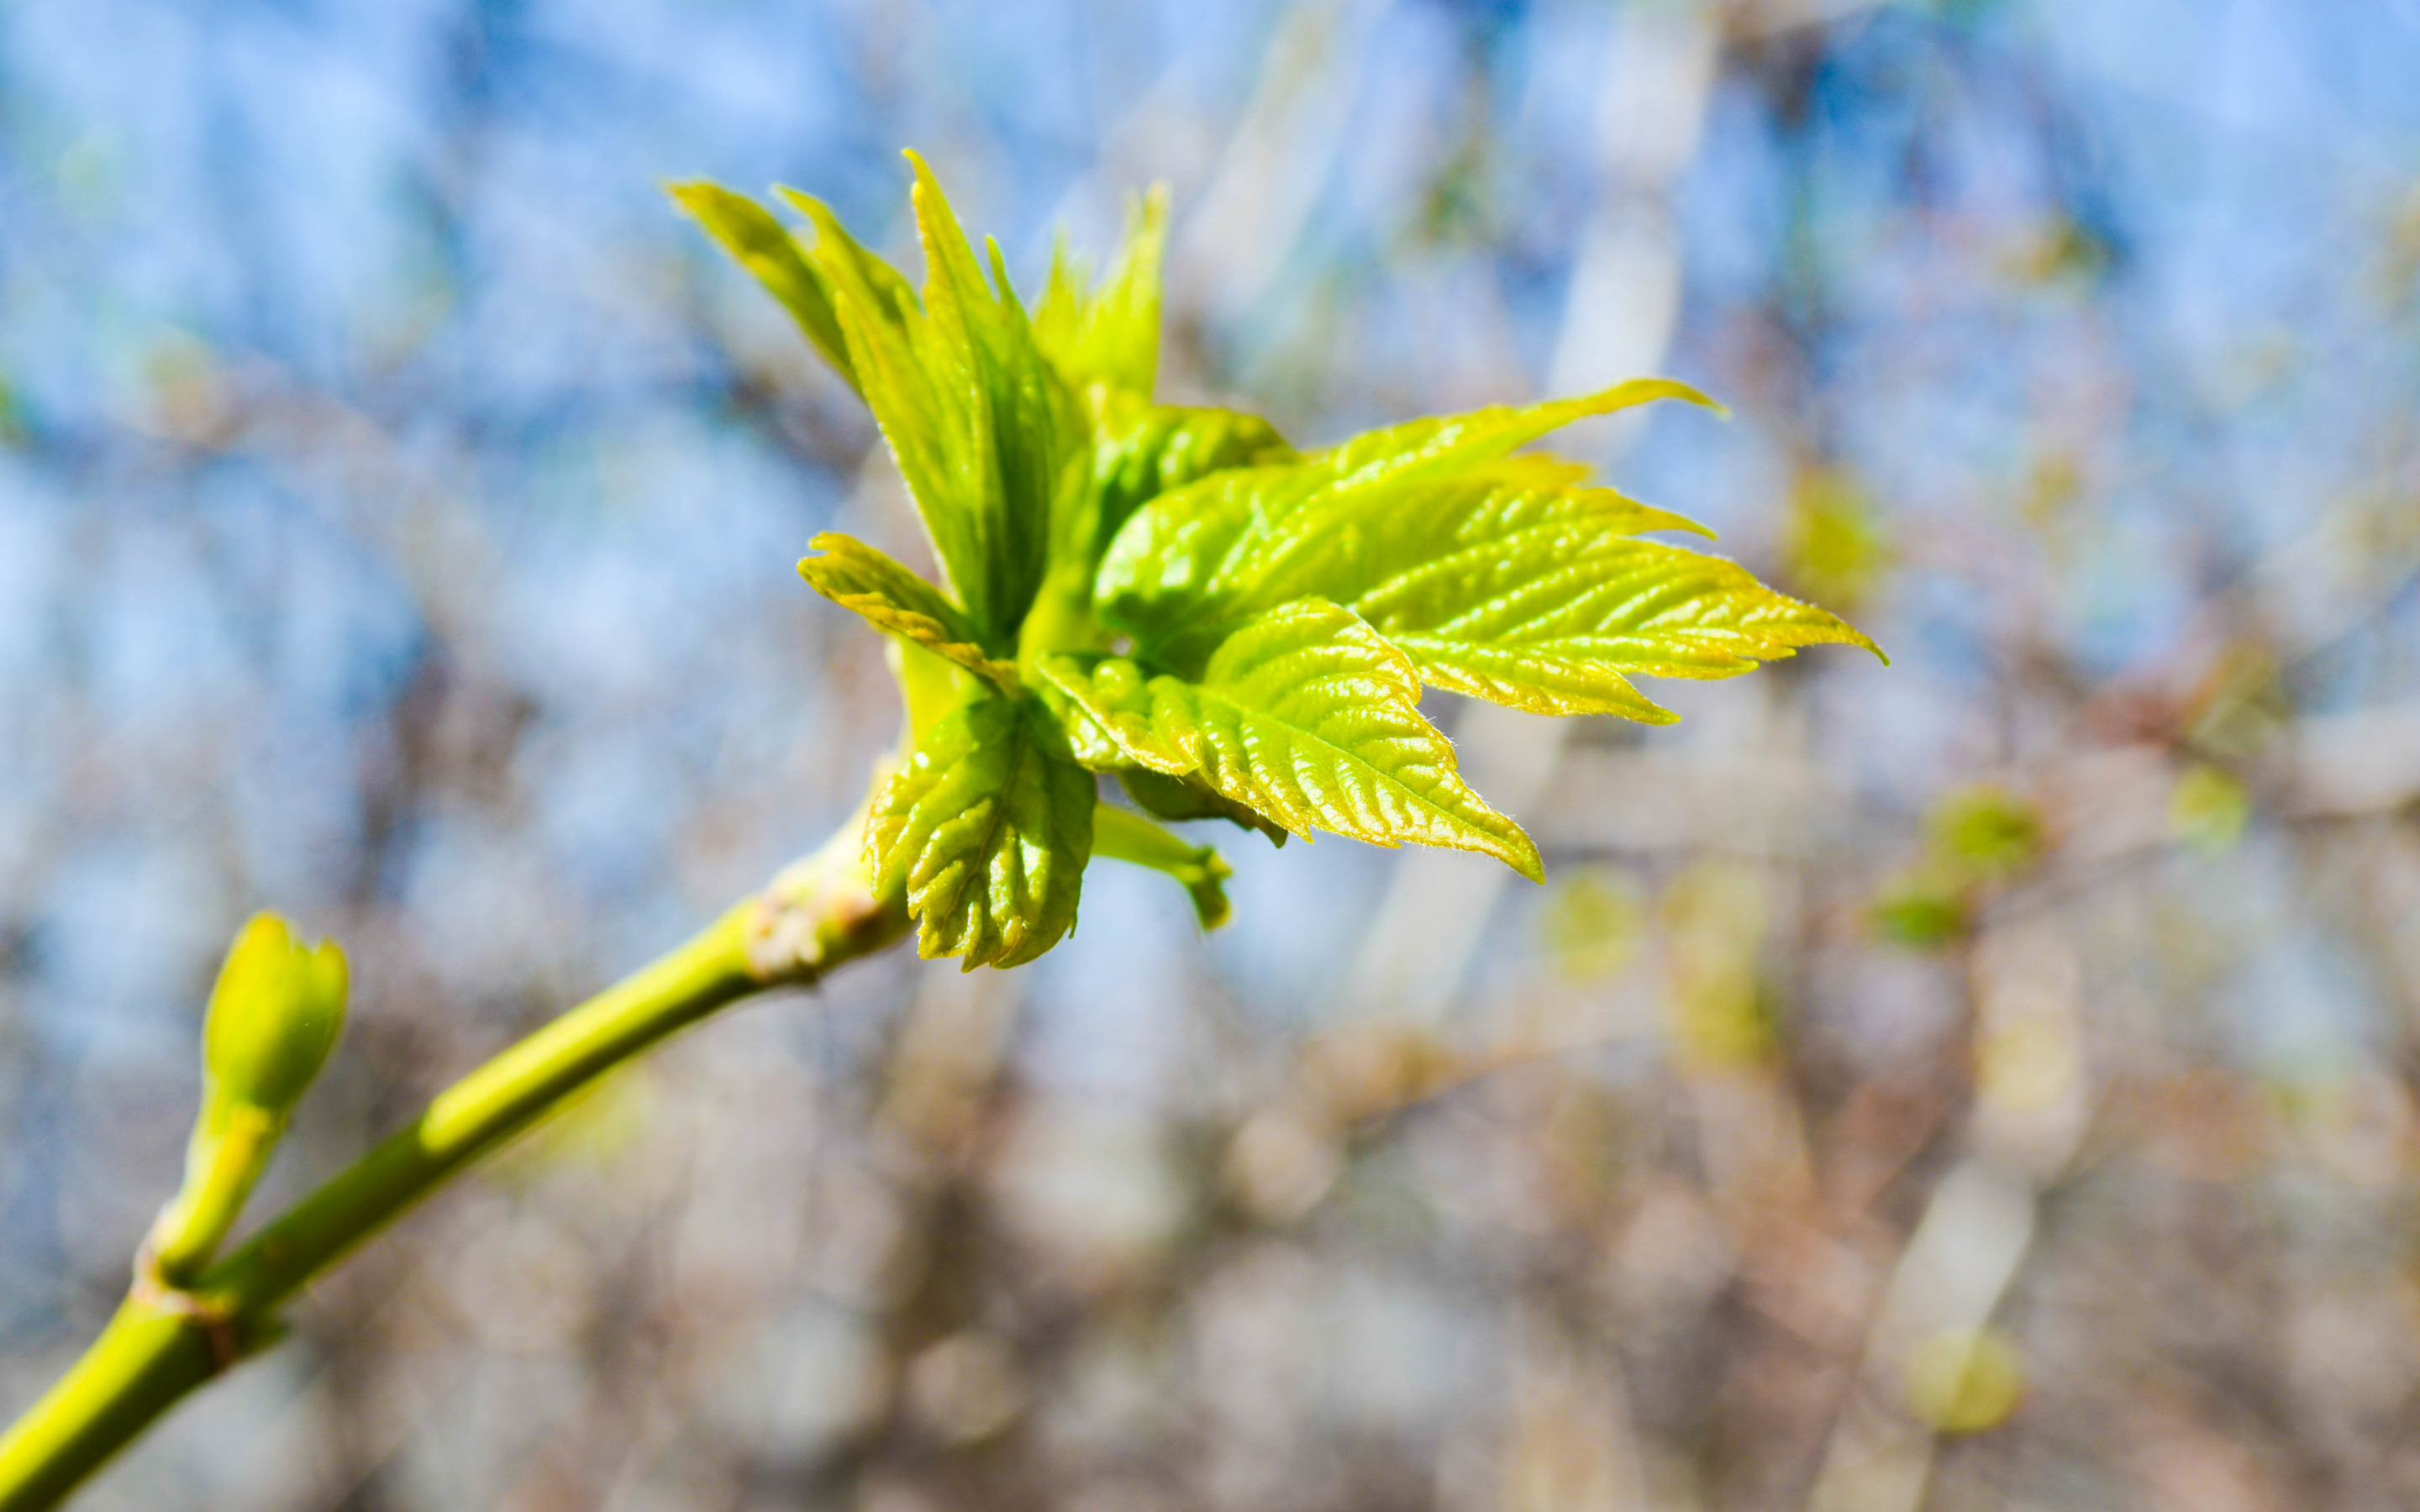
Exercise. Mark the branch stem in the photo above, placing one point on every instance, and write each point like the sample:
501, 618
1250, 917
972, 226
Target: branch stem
165, 1340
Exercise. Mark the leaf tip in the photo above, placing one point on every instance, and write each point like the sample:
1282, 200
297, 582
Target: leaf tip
1848, 635
1525, 858
927, 185
1003, 290
821, 550
804, 203
1675, 389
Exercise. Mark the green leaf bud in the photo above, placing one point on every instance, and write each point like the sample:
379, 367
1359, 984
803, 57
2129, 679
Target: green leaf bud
274, 1016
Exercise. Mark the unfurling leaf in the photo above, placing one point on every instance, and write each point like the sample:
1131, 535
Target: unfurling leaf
1125, 837
845, 262
857, 577
765, 247
1144, 451
1109, 334
1306, 714
987, 827
1138, 451
979, 424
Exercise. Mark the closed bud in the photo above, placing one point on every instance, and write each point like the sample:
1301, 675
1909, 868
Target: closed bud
274, 1016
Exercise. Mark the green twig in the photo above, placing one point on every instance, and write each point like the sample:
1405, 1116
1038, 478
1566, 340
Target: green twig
165, 1340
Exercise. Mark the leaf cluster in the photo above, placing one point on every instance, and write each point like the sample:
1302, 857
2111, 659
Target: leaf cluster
1177, 597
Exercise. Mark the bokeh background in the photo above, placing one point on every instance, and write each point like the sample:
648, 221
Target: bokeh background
1986, 1082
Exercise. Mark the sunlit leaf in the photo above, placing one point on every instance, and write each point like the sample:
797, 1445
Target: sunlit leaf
1178, 798
1138, 451
1125, 837
857, 577
1109, 334
841, 259
987, 827
1441, 443
1563, 635
1176, 595
1512, 580
765, 247
1145, 450
1178, 561
978, 421
1307, 714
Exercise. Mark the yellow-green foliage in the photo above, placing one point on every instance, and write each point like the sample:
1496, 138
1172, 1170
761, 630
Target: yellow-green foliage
1177, 596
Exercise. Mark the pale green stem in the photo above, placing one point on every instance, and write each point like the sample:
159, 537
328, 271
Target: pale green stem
166, 1340
1119, 836
221, 1163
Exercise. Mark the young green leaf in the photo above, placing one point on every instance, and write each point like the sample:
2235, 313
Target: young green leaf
919, 418
765, 247
1179, 561
1142, 452
1507, 577
1138, 451
1307, 714
1563, 635
1125, 837
982, 428
1016, 445
1109, 334
857, 577
1517, 581
1442, 443
987, 827
931, 686
1157, 794
1493, 525
842, 260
